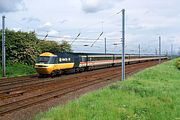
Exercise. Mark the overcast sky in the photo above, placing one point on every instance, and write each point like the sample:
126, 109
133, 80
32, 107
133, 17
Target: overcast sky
145, 21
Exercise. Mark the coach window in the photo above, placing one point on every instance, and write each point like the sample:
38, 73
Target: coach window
83, 59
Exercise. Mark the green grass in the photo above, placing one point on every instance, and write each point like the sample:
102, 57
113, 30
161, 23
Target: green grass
178, 63
17, 69
153, 94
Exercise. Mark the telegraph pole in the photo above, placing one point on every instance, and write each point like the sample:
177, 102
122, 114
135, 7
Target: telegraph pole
105, 45
123, 44
159, 49
156, 52
171, 51
139, 47
3, 48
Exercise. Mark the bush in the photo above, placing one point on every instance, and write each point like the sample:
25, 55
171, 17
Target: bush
24, 47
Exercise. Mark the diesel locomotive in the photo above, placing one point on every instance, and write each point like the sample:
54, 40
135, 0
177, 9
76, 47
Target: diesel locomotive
58, 63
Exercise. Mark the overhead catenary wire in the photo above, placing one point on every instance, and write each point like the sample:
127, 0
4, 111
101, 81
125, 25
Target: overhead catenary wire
45, 36
87, 26
81, 38
100, 44
75, 38
102, 21
97, 39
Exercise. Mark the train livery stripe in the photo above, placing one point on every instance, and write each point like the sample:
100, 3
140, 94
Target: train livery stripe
101, 62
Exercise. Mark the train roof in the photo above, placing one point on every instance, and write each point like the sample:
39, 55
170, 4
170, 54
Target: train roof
47, 54
76, 53
72, 53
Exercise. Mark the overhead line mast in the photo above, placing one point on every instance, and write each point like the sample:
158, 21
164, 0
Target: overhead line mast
123, 44
3, 48
159, 49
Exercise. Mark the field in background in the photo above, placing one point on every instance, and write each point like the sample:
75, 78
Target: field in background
152, 94
17, 69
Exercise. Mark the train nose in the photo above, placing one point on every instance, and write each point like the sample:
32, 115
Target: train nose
43, 69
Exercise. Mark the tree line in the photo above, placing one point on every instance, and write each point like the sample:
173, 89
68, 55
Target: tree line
24, 47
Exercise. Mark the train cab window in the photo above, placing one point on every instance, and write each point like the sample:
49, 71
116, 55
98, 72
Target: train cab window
56, 61
46, 60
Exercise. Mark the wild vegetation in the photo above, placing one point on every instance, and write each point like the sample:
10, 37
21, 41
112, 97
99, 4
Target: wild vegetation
152, 94
18, 69
22, 49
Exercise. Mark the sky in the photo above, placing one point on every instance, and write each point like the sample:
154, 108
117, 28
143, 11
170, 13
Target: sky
145, 21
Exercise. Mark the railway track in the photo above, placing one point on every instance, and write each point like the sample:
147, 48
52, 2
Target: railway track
15, 90
22, 87
17, 79
57, 88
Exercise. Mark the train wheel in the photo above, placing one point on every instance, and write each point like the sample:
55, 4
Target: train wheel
53, 73
77, 70
59, 72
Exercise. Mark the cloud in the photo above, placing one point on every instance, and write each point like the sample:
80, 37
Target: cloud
53, 32
63, 21
45, 27
11, 5
93, 6
30, 19
113, 34
16, 29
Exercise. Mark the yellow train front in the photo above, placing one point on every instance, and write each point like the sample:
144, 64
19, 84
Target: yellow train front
51, 64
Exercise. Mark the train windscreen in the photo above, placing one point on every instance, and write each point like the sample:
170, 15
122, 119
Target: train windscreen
45, 60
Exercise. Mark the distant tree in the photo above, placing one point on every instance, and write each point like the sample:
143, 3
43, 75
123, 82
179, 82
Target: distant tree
53, 46
65, 47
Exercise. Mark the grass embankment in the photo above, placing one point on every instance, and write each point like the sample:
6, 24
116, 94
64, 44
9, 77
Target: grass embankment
178, 63
153, 94
17, 69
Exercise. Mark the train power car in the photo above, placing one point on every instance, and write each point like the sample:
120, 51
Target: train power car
58, 63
